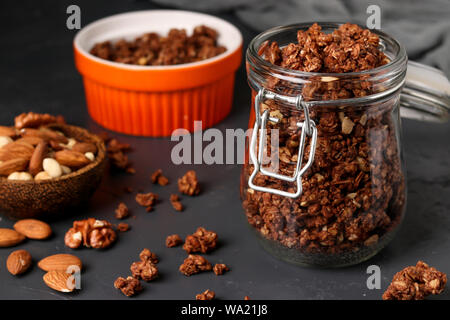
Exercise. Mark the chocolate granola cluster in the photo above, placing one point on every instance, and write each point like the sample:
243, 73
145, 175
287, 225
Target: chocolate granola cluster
415, 283
354, 193
194, 264
145, 269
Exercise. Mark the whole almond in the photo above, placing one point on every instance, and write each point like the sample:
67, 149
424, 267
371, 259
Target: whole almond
33, 229
4, 140
34, 141
13, 165
59, 262
43, 133
10, 237
72, 159
16, 150
55, 135
7, 131
84, 147
18, 262
58, 280
38, 156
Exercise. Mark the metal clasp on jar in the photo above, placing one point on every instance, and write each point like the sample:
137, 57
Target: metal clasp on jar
308, 128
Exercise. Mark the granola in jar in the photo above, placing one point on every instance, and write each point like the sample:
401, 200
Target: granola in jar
340, 84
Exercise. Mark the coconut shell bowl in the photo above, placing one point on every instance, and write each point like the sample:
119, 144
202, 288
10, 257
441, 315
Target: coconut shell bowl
53, 197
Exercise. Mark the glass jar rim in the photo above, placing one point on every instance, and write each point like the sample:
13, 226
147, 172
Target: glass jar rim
252, 52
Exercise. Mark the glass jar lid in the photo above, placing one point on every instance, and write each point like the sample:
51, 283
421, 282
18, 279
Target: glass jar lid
426, 94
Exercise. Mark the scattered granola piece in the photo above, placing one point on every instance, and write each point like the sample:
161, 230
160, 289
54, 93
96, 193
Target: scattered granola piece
207, 295
104, 136
119, 160
194, 264
146, 268
130, 170
90, 232
123, 227
175, 201
201, 240
115, 146
188, 184
116, 154
129, 286
147, 200
415, 283
158, 177
173, 241
147, 255
220, 268
128, 190
122, 211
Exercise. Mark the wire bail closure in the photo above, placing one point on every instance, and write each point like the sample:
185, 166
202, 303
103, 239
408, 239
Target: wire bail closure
308, 129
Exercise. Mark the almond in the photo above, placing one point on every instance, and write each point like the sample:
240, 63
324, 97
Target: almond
45, 134
18, 262
84, 147
72, 159
16, 150
58, 280
7, 131
13, 165
38, 156
34, 141
33, 229
10, 237
4, 140
59, 262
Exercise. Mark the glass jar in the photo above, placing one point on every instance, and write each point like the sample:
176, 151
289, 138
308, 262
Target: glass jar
324, 181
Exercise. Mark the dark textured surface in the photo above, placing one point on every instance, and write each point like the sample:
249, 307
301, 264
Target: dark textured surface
39, 75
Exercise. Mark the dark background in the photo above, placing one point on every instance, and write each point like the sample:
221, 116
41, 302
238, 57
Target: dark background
38, 74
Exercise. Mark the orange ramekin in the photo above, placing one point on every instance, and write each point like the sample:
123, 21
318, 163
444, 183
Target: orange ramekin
156, 100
